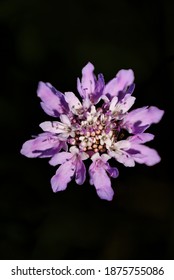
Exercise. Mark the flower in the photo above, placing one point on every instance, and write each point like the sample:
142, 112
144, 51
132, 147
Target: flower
97, 128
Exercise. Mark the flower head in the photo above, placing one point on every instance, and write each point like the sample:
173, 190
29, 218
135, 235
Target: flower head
97, 128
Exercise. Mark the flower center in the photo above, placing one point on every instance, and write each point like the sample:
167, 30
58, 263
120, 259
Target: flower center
95, 131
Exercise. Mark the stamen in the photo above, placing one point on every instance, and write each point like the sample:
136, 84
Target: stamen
100, 127
98, 132
94, 146
100, 147
93, 133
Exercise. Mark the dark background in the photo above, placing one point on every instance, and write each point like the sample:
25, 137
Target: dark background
51, 41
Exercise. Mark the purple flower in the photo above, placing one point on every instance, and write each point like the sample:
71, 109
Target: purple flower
86, 130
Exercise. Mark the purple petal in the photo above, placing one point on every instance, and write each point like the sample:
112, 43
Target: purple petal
53, 101
128, 91
80, 174
140, 119
63, 176
132, 152
45, 145
113, 171
100, 83
145, 155
141, 138
99, 86
124, 78
101, 181
87, 84
47, 153
60, 158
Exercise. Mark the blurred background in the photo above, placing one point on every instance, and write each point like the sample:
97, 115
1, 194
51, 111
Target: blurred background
51, 41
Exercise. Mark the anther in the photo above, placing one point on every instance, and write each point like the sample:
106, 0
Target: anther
87, 133
100, 147
93, 133
94, 146
100, 127
98, 132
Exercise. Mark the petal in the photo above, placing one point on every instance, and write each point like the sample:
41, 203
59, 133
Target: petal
53, 127
113, 171
145, 155
53, 101
126, 103
124, 78
87, 84
64, 119
45, 145
84, 156
140, 119
73, 102
120, 153
123, 144
105, 157
141, 138
60, 158
122, 106
123, 157
80, 174
99, 86
74, 150
63, 176
95, 156
113, 103
101, 181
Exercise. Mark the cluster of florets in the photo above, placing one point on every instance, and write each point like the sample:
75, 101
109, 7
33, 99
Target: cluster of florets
98, 128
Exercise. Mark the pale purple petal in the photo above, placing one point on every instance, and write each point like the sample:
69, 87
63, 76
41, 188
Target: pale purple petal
87, 84
145, 155
126, 103
101, 182
73, 102
45, 145
141, 138
138, 120
53, 101
80, 173
64, 119
120, 153
60, 158
123, 79
123, 157
63, 176
54, 127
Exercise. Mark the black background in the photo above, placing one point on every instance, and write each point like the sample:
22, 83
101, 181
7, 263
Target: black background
51, 41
